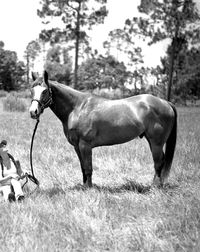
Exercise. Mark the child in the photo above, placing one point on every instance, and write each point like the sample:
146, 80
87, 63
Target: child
10, 173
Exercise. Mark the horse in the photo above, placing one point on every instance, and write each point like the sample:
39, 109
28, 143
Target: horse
90, 121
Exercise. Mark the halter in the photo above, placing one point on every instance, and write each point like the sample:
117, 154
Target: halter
47, 103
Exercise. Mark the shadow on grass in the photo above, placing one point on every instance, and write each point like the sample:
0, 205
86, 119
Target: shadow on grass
129, 186
51, 192
170, 188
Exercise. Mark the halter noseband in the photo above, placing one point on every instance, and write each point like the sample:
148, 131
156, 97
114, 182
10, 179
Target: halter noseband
47, 103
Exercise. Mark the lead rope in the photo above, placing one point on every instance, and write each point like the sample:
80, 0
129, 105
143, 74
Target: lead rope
32, 176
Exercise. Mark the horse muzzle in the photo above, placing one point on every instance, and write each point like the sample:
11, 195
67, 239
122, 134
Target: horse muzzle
35, 110
34, 115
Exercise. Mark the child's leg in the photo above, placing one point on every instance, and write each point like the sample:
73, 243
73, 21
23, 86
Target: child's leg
17, 189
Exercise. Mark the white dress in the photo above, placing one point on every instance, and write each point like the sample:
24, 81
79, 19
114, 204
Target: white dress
9, 177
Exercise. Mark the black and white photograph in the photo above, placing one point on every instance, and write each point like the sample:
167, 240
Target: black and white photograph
100, 125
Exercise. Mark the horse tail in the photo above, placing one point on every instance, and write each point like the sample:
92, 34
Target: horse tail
170, 145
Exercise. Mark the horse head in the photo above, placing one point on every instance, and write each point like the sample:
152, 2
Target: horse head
41, 95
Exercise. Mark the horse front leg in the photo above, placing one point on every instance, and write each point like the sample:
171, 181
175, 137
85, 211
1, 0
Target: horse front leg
81, 163
86, 159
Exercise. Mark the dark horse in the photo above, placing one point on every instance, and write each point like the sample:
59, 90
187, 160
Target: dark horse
90, 121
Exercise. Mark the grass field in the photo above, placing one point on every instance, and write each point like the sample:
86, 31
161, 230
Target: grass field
121, 213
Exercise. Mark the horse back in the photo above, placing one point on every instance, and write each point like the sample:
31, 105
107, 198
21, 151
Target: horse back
106, 122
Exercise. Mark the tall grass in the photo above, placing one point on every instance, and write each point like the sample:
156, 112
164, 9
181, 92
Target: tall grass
122, 212
13, 103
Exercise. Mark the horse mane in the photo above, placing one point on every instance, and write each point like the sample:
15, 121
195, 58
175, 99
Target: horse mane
65, 87
75, 91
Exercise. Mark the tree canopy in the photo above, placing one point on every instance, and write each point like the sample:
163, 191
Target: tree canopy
59, 64
11, 70
32, 51
173, 19
102, 72
77, 16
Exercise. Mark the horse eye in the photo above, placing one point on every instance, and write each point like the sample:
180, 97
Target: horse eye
45, 92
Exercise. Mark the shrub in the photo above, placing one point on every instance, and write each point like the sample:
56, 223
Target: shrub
24, 94
3, 93
13, 103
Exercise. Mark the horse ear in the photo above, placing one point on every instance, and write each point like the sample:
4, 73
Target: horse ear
34, 76
46, 79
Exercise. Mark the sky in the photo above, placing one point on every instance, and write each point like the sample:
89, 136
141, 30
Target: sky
19, 24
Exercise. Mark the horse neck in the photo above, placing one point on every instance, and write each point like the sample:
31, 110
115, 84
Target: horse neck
65, 99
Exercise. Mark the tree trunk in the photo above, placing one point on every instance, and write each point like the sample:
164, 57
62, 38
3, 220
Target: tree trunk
77, 47
171, 71
27, 69
174, 45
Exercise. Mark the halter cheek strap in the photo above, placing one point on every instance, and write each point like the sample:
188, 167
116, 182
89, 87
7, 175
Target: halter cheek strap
47, 103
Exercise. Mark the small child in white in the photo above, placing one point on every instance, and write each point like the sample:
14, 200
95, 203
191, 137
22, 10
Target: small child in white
10, 173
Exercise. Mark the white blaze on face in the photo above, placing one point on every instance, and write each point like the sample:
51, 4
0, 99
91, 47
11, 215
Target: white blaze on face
35, 108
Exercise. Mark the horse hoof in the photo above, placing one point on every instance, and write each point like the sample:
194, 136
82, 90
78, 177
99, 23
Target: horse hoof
87, 185
20, 198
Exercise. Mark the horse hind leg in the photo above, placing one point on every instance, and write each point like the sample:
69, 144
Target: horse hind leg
159, 163
86, 157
